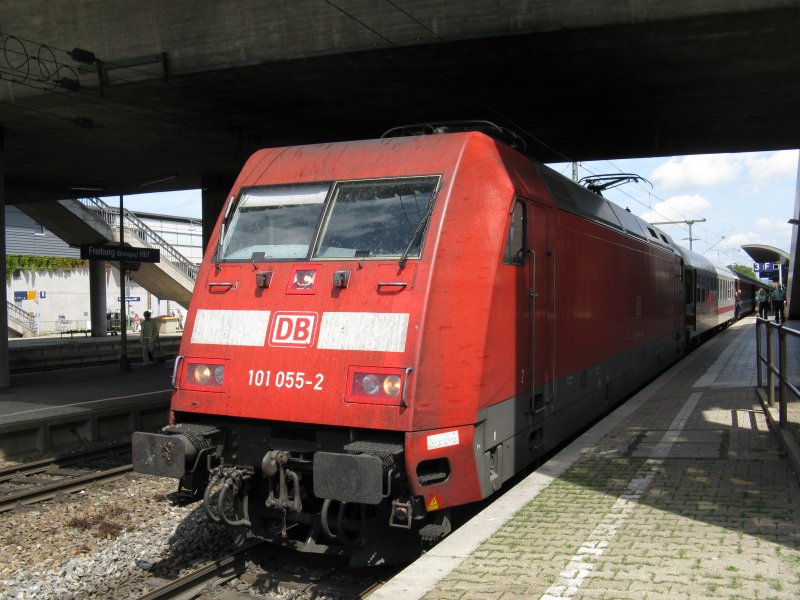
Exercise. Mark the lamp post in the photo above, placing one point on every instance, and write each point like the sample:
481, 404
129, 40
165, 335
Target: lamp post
124, 363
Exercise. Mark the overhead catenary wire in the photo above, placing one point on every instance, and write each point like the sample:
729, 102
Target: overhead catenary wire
686, 213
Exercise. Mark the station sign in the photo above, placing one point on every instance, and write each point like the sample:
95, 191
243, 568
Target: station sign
769, 270
766, 267
120, 253
130, 298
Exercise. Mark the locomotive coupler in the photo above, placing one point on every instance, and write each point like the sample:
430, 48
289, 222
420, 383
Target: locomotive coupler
402, 513
274, 463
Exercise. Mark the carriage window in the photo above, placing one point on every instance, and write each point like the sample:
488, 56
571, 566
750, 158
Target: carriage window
515, 244
378, 218
279, 221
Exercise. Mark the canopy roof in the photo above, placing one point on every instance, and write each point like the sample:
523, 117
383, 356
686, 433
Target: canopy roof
764, 254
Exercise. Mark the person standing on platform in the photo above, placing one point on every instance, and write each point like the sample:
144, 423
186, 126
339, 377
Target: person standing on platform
149, 338
761, 303
778, 300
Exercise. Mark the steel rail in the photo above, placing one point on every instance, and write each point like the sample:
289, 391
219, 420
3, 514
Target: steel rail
40, 493
38, 466
193, 583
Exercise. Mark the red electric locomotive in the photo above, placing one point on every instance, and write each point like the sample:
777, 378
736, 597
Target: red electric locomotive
382, 330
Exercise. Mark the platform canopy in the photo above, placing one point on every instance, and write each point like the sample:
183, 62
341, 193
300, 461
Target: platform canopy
766, 254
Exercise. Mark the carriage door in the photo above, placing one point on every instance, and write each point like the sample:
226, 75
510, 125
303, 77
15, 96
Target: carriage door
690, 298
541, 295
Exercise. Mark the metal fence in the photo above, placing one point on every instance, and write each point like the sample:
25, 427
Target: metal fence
778, 368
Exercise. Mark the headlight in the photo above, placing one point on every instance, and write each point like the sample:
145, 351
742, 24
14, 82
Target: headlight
382, 385
391, 385
201, 374
370, 384
204, 375
304, 279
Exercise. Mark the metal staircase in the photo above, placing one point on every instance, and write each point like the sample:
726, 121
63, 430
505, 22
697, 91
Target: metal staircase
92, 221
20, 323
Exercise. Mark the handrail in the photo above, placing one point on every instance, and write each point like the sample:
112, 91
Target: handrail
110, 215
775, 369
22, 316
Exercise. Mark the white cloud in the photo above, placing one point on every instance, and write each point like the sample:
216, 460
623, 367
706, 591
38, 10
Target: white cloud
754, 169
767, 168
677, 208
702, 170
767, 231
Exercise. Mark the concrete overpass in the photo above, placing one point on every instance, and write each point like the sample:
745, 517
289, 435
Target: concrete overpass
193, 88
189, 89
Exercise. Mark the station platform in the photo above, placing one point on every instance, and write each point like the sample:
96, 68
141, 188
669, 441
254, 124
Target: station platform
71, 350
682, 492
59, 410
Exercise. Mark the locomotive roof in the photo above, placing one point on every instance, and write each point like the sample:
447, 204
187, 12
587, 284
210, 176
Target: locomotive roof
698, 261
444, 147
576, 199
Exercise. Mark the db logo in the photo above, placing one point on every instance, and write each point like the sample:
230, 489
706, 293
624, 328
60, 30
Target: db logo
294, 329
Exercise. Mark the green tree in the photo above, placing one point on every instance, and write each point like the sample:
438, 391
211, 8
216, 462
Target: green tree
41, 264
743, 271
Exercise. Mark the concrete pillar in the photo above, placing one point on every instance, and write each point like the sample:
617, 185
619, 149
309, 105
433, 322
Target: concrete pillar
97, 297
793, 284
215, 193
5, 375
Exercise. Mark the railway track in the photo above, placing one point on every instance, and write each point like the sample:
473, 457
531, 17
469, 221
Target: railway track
273, 569
43, 479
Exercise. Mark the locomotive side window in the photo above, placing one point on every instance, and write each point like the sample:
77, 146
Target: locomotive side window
279, 221
515, 244
378, 218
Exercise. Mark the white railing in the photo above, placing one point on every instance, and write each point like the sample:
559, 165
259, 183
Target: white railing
21, 316
133, 224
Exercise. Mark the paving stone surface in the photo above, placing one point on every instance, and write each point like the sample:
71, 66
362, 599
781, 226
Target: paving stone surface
690, 496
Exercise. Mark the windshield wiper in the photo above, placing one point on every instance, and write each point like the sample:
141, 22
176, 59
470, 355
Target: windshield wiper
217, 257
420, 228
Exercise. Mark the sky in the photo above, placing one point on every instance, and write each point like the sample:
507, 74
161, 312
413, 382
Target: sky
745, 198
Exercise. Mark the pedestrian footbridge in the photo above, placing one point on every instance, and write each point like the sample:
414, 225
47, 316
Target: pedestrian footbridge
92, 221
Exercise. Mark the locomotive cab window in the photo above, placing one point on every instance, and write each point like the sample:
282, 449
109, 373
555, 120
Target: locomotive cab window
379, 218
515, 244
279, 221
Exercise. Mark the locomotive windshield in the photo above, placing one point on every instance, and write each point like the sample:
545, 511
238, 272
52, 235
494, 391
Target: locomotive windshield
279, 221
379, 218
